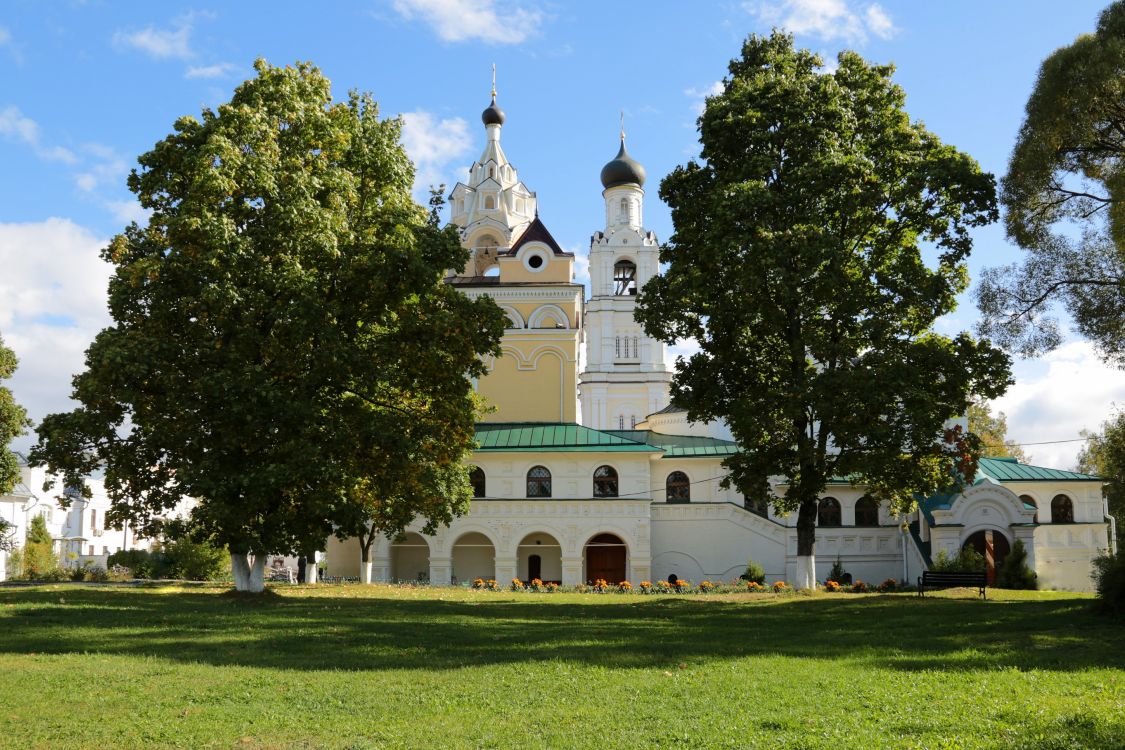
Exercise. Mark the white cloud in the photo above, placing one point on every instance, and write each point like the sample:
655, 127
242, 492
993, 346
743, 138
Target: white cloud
699, 95
464, 20
684, 349
15, 126
52, 303
432, 144
162, 44
127, 211
105, 167
218, 70
1054, 398
827, 20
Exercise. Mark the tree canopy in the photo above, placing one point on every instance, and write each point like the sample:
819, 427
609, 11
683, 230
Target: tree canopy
282, 339
993, 432
1104, 456
797, 264
1064, 200
13, 423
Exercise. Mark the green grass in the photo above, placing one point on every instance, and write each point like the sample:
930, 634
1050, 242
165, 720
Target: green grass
373, 667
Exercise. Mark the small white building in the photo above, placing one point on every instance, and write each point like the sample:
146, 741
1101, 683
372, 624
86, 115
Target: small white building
79, 532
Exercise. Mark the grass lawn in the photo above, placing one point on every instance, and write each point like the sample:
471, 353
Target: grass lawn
371, 667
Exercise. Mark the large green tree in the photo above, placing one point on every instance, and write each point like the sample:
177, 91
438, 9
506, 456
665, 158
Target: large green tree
281, 331
13, 422
993, 432
1064, 200
1104, 456
798, 262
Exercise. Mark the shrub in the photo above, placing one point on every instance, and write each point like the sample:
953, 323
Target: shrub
139, 562
535, 584
646, 587
888, 585
754, 572
624, 587
706, 587
859, 587
551, 588
968, 560
681, 585
838, 574
1109, 583
831, 586
193, 561
754, 586
39, 561
1014, 572
780, 586
516, 585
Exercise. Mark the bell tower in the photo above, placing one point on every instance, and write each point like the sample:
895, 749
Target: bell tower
515, 261
625, 377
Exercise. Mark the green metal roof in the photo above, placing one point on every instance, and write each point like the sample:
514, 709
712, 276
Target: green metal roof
681, 446
1011, 470
548, 437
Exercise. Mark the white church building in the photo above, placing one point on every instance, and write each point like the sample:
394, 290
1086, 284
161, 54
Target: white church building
629, 490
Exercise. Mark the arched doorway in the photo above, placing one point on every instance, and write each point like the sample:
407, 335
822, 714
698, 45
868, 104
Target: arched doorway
605, 558
473, 557
539, 555
410, 558
992, 545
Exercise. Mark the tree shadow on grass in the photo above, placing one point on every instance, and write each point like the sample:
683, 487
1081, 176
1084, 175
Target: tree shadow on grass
325, 631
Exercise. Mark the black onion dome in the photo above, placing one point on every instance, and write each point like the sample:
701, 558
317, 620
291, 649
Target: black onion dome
493, 115
623, 170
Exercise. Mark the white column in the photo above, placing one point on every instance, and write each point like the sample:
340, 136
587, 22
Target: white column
441, 571
505, 570
571, 571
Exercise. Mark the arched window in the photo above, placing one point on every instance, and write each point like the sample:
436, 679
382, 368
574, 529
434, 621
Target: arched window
605, 481
1029, 500
625, 278
489, 202
623, 211
677, 488
476, 479
758, 505
1062, 509
866, 511
828, 513
539, 482
492, 172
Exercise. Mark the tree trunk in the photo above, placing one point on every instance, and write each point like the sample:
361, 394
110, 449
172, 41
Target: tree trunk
365, 544
310, 569
806, 545
248, 576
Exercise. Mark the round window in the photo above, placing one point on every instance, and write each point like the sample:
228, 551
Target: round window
535, 261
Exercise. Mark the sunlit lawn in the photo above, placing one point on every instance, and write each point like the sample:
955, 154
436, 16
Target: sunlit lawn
372, 667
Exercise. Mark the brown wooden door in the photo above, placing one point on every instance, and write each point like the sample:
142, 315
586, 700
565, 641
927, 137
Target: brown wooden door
605, 562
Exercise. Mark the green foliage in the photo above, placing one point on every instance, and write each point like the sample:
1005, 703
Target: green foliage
993, 432
195, 561
141, 563
13, 423
796, 263
37, 532
283, 347
1109, 582
1104, 456
754, 572
968, 560
1064, 196
838, 574
38, 559
7, 535
1014, 572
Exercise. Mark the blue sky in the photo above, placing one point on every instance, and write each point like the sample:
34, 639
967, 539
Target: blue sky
87, 86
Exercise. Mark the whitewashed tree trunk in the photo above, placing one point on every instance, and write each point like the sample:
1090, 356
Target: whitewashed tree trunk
365, 569
248, 576
310, 570
806, 572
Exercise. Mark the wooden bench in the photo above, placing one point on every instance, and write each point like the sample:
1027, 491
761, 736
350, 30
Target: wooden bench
931, 579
